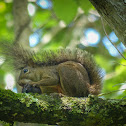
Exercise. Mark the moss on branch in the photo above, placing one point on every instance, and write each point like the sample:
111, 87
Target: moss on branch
66, 111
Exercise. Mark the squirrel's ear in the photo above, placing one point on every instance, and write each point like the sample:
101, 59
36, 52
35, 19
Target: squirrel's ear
30, 63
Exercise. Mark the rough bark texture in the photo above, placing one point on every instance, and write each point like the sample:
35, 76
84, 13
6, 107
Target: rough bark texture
114, 12
65, 111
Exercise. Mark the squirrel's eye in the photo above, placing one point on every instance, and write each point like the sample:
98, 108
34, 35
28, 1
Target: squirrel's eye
25, 70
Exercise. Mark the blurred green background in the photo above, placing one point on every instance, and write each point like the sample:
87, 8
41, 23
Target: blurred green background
66, 24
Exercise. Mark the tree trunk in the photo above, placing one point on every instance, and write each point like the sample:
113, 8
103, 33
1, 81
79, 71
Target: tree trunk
21, 22
114, 12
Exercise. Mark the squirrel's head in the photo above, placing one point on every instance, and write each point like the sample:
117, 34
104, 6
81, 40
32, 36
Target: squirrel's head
27, 74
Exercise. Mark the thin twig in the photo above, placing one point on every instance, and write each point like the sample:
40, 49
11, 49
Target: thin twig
119, 63
102, 94
110, 40
118, 84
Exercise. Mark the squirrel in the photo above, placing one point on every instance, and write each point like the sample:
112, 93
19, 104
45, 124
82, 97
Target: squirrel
71, 73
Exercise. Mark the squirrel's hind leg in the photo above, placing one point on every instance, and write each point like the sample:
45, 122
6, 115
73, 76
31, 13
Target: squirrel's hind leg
73, 79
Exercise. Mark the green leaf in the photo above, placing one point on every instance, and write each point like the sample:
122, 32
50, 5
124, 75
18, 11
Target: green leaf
85, 5
2, 7
65, 9
40, 18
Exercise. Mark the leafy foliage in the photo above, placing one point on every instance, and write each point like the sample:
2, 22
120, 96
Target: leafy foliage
66, 9
6, 22
85, 5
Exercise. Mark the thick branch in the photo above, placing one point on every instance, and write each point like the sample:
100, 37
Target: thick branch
63, 110
114, 12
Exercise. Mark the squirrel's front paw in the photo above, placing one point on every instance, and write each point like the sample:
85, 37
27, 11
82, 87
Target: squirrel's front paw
21, 83
34, 84
30, 89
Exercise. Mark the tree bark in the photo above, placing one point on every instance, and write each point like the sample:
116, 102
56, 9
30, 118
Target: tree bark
114, 12
64, 111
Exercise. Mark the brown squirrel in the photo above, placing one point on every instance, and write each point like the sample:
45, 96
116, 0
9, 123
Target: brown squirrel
72, 73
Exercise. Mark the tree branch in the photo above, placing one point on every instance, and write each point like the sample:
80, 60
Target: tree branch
66, 111
114, 12
21, 22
